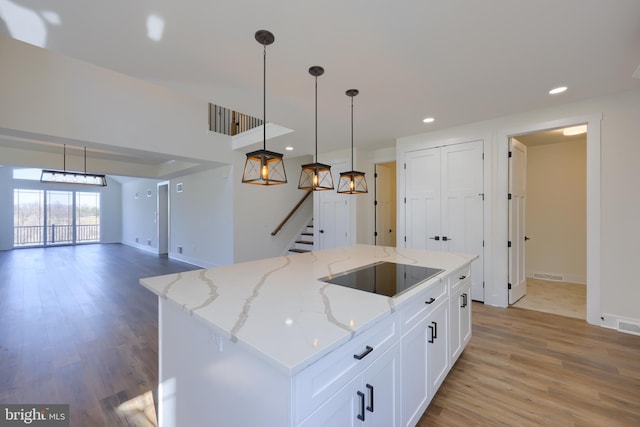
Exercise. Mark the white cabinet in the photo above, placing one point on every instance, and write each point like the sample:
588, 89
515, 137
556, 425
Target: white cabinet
460, 316
425, 361
370, 399
443, 204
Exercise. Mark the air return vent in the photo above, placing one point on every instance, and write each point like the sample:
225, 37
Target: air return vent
547, 276
629, 327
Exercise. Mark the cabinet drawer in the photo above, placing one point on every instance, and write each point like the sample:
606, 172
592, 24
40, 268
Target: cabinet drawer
458, 277
320, 381
422, 305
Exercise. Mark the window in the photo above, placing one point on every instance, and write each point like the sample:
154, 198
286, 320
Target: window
43, 218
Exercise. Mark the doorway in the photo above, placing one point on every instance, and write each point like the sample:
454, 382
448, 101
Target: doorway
385, 204
163, 218
548, 232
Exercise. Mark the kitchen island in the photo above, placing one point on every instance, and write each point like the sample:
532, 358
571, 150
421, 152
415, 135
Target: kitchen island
268, 343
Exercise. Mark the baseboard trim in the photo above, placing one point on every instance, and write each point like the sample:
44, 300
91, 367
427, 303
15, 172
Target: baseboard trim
145, 248
193, 261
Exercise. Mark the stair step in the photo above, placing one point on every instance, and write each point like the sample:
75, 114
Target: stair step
300, 251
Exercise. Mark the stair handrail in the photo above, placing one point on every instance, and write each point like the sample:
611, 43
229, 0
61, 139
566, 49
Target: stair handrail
295, 208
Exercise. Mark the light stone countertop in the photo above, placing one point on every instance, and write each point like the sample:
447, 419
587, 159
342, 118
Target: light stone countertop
279, 310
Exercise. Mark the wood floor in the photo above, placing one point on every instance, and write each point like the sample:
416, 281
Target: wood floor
563, 298
76, 328
528, 368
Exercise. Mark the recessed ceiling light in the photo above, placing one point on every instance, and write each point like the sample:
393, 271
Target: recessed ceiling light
288, 148
429, 120
557, 90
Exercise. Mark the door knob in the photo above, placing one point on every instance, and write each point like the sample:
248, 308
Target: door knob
526, 238
322, 231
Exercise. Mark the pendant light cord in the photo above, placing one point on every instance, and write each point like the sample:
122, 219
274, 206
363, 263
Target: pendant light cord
264, 99
316, 158
352, 133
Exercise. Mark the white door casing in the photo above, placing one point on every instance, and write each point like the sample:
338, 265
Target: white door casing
517, 204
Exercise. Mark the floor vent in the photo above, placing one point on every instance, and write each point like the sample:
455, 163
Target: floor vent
545, 276
628, 327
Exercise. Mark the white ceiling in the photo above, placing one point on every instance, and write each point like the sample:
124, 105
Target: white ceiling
459, 61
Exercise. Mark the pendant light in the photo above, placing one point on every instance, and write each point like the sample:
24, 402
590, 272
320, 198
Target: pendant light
352, 182
264, 167
50, 176
316, 176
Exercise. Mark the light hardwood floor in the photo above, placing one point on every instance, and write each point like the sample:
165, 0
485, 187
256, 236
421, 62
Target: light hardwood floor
76, 328
562, 298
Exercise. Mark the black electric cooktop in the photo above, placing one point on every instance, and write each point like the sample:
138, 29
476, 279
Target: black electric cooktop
384, 278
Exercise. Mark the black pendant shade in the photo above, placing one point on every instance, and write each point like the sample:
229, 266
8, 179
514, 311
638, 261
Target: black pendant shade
316, 176
352, 182
264, 167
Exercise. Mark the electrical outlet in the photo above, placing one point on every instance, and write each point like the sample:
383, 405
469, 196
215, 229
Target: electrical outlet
149, 242
137, 240
179, 249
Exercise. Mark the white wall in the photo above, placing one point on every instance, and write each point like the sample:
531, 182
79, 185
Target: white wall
6, 208
556, 211
257, 211
201, 218
139, 204
619, 209
48, 96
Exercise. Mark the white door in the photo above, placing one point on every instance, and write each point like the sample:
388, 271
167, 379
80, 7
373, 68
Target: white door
517, 204
334, 220
462, 206
423, 196
385, 206
163, 218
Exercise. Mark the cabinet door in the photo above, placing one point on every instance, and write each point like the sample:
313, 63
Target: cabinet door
465, 316
455, 312
381, 385
370, 399
437, 347
415, 381
341, 410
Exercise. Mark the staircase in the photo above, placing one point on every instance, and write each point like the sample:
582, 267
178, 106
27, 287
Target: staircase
304, 242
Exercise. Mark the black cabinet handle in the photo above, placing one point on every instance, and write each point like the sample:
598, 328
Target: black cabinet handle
445, 238
435, 330
462, 304
370, 407
431, 300
462, 277
364, 353
435, 238
431, 334
466, 300
361, 414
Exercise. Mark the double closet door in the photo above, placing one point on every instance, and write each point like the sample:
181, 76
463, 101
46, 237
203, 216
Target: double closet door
444, 203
